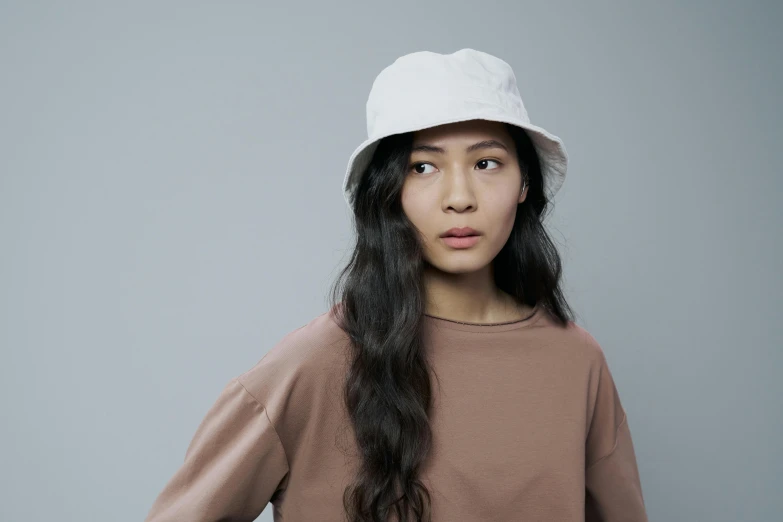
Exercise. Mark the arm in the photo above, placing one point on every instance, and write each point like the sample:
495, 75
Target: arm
232, 466
613, 486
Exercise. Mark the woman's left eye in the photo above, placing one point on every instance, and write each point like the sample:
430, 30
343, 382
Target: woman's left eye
486, 160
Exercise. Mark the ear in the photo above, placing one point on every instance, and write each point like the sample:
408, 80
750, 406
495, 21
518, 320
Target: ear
523, 192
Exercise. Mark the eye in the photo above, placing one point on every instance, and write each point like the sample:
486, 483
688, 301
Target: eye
491, 160
415, 165
481, 162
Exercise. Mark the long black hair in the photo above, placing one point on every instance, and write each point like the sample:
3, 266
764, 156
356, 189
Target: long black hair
380, 299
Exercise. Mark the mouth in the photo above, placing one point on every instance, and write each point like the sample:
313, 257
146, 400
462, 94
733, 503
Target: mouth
460, 232
461, 242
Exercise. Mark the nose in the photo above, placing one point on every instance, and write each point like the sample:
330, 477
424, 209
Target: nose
458, 193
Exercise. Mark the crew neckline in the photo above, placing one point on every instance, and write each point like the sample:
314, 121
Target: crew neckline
442, 322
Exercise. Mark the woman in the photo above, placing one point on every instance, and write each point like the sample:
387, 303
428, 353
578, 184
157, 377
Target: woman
448, 381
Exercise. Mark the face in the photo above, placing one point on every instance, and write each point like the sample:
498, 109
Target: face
463, 174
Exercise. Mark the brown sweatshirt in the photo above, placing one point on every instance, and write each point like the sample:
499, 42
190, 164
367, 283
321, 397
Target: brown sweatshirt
527, 425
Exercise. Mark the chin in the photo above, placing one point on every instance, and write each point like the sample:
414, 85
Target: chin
464, 266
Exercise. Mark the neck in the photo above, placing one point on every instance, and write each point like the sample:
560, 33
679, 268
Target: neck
469, 297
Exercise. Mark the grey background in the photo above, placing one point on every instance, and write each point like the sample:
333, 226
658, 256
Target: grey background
171, 206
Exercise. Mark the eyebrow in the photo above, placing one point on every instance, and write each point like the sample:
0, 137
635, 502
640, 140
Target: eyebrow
486, 144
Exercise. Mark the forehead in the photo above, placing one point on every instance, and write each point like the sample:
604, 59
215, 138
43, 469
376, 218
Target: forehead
463, 131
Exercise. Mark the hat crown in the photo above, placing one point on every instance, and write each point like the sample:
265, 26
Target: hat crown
430, 83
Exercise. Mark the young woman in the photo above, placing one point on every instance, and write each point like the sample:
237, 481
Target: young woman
448, 381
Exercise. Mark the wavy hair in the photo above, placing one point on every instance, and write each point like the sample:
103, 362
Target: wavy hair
379, 296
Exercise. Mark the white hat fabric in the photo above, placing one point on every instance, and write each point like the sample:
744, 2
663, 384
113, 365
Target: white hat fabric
425, 89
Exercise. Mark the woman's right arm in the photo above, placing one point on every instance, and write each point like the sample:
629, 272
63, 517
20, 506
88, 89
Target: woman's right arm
233, 465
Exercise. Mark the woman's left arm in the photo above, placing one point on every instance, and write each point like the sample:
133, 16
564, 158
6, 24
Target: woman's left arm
614, 490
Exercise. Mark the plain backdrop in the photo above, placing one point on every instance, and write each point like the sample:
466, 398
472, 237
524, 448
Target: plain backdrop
171, 206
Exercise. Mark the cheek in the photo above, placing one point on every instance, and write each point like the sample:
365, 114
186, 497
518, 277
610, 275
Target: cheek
419, 212
503, 206
416, 210
503, 215
510, 213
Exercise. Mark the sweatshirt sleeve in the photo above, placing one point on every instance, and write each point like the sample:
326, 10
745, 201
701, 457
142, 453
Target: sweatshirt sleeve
233, 465
614, 491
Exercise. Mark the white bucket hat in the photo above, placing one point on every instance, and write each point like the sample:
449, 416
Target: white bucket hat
425, 89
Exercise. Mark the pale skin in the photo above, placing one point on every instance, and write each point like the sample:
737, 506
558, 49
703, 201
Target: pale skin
457, 188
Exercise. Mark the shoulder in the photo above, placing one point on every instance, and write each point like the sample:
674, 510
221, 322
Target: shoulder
601, 381
583, 350
586, 342
298, 363
572, 341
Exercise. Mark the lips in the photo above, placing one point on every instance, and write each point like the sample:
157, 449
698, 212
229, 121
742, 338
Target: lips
460, 232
